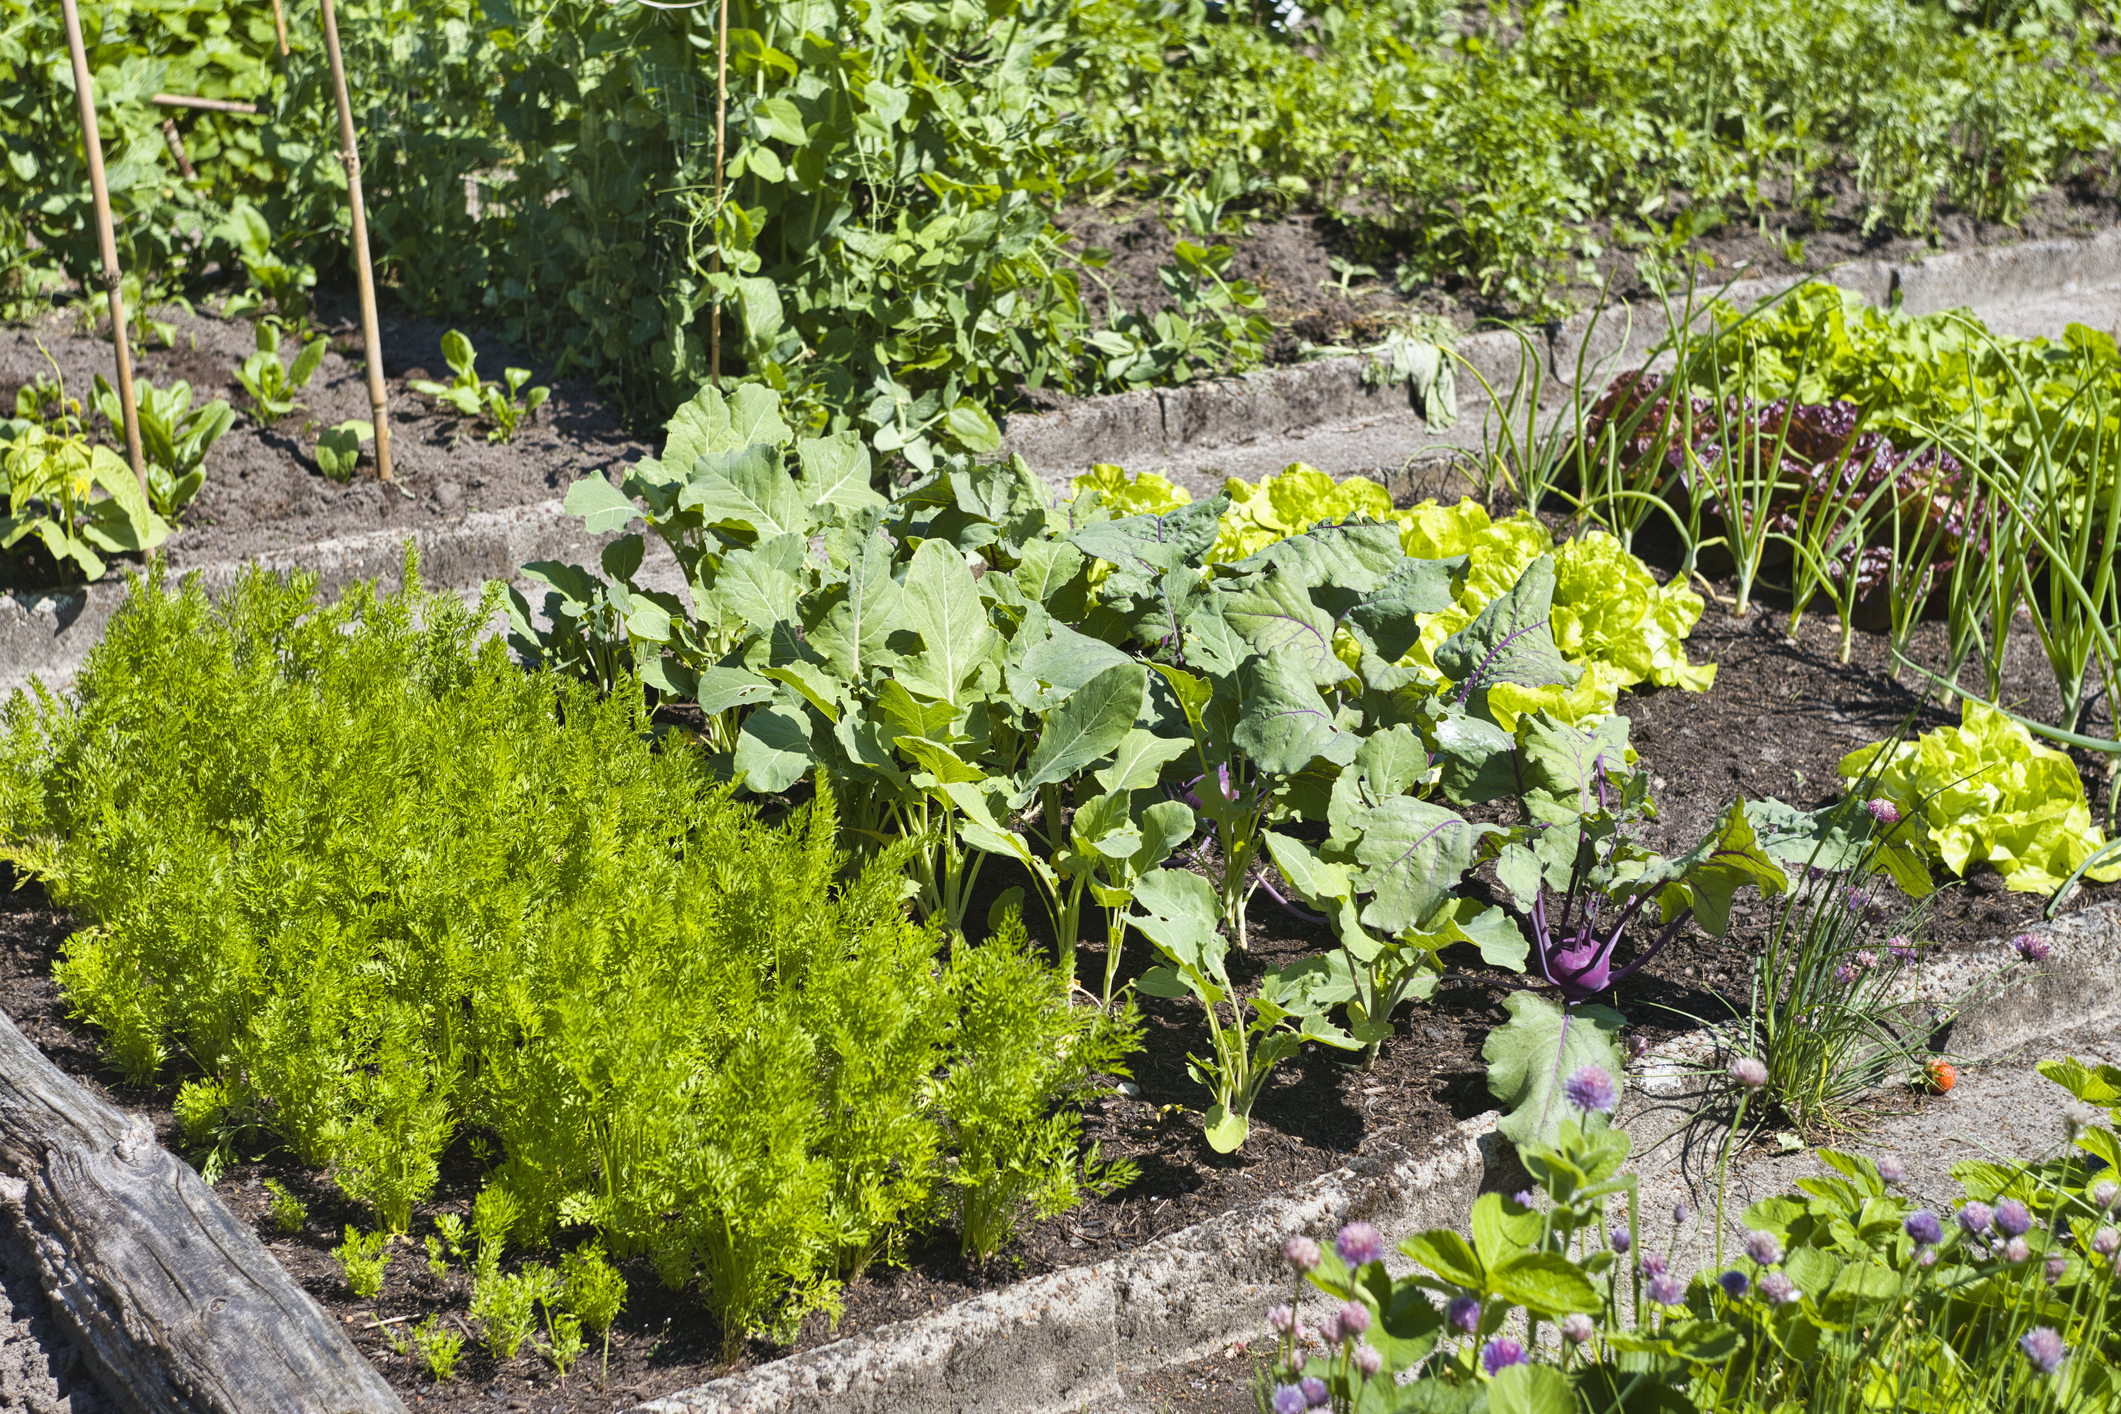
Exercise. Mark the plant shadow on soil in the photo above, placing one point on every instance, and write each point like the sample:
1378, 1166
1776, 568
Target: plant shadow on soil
1780, 717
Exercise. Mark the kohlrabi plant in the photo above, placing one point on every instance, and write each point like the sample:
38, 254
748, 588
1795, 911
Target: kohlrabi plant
271, 384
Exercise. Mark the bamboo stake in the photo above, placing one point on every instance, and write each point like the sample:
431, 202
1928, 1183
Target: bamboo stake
721, 117
279, 24
176, 148
371, 337
211, 105
92, 145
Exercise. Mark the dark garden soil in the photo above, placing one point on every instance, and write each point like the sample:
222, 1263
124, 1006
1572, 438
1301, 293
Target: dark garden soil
1780, 717
1289, 256
263, 490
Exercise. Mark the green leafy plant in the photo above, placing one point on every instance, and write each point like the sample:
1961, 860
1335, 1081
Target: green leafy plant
506, 1306
470, 396
50, 479
593, 1292
289, 1214
363, 1258
339, 449
175, 436
439, 1347
271, 384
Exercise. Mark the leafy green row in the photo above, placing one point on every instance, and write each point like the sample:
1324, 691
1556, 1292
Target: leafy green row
383, 893
982, 672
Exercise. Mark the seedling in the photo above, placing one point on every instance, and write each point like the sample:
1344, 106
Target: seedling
339, 449
272, 386
175, 435
363, 1259
470, 396
49, 475
289, 1214
438, 1346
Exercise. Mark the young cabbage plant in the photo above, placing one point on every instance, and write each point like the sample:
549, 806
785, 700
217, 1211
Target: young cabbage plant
175, 436
272, 385
1290, 1007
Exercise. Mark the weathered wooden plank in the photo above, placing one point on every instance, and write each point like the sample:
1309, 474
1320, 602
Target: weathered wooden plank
174, 1301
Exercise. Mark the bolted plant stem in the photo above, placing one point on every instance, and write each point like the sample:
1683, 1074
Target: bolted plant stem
364, 272
106, 238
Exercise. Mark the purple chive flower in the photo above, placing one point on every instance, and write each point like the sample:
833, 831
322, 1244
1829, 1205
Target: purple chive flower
1866, 959
1855, 899
2030, 948
1591, 1090
1900, 947
1779, 1289
1577, 1328
1288, 1399
1638, 1047
1975, 1218
1354, 1318
1301, 1253
1926, 1257
1359, 1243
1922, 1225
2016, 1250
2012, 1219
1368, 1359
1883, 810
2055, 1268
2105, 1194
1763, 1248
2106, 1242
1282, 1319
1749, 1071
1653, 1264
2045, 1349
1314, 1391
1734, 1284
1680, 1213
1524, 1198
1621, 1241
1844, 974
1667, 1290
1329, 1328
1463, 1314
1891, 1169
2076, 1118
1501, 1353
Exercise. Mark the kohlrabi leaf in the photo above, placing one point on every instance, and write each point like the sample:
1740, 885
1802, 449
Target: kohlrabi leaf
723, 688
1389, 616
1050, 573
1145, 546
1283, 721
836, 472
1085, 728
1138, 760
1414, 854
1574, 765
1181, 909
773, 750
941, 603
1713, 871
601, 505
1391, 761
1536, 1051
1273, 613
1476, 758
748, 487
1318, 882
1337, 563
851, 623
1054, 654
1511, 640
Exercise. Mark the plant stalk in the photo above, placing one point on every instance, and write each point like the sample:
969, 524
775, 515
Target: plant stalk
721, 131
106, 238
364, 271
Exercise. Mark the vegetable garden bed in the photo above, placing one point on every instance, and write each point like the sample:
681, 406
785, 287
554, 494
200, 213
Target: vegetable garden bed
1782, 715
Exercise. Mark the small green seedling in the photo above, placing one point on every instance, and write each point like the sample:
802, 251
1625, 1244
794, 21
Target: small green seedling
289, 1214
175, 435
470, 396
363, 1259
438, 1346
339, 449
563, 1343
595, 1292
272, 386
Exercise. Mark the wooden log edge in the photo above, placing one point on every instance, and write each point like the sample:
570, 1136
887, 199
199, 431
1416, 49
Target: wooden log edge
172, 1299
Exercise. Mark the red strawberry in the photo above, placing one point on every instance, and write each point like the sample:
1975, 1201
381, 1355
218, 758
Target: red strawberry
1941, 1076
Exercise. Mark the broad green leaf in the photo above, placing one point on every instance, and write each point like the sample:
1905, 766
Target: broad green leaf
1476, 759
759, 584
1500, 1237
1284, 722
723, 688
1390, 616
1572, 764
1714, 870
1086, 728
602, 506
939, 760
910, 715
1319, 881
774, 751
1191, 690
851, 623
1391, 761
836, 472
974, 430
1045, 569
1511, 640
941, 603
1273, 614
754, 419
747, 488
1413, 855
1531, 1389
1448, 1255
1545, 1282
1339, 562
1539, 1048
1165, 826
1066, 659
1138, 760
817, 686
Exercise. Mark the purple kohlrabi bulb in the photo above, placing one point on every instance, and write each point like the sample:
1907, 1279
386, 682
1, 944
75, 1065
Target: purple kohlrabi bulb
1368, 1359
1463, 1314
1763, 1248
1501, 1353
1288, 1399
2045, 1349
1667, 1290
1315, 1392
2012, 1219
1591, 1090
1976, 1217
1360, 1243
1577, 1328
